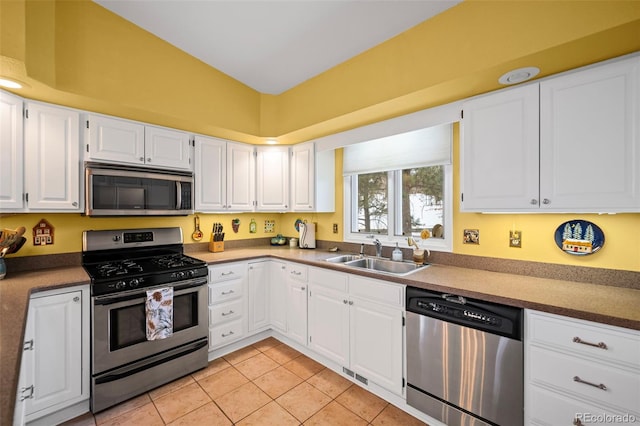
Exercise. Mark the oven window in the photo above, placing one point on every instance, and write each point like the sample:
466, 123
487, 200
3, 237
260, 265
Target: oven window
128, 324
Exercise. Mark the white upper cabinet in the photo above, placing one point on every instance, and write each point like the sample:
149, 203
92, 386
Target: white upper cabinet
241, 177
167, 148
52, 158
499, 161
585, 157
11, 146
272, 173
312, 179
210, 170
590, 139
224, 175
129, 142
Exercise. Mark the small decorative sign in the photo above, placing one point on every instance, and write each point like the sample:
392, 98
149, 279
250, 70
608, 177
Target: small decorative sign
42, 233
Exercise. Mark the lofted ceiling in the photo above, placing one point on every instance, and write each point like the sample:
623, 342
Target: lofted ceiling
272, 46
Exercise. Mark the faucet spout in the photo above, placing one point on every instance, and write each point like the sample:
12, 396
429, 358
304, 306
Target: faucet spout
378, 247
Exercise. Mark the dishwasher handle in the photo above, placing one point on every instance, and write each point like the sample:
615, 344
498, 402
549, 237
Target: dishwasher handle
454, 299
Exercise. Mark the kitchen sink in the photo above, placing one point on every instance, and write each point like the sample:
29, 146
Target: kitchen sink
385, 265
343, 258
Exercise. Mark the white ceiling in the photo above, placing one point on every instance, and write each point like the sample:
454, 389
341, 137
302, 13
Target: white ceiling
272, 46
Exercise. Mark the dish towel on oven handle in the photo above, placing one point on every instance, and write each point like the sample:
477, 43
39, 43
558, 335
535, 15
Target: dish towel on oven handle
159, 310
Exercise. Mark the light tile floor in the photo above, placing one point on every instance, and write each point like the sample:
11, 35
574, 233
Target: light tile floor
267, 383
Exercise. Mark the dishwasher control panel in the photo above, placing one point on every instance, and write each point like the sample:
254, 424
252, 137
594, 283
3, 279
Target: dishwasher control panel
460, 312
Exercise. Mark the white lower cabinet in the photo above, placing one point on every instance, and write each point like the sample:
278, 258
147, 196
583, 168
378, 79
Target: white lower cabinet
357, 322
54, 373
580, 372
296, 304
227, 302
258, 295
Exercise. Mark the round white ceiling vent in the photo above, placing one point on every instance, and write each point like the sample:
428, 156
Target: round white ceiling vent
519, 75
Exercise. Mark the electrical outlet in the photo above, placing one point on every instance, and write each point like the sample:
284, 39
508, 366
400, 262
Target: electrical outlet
335, 228
515, 239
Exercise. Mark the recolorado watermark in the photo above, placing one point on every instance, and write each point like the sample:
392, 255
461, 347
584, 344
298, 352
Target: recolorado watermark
586, 418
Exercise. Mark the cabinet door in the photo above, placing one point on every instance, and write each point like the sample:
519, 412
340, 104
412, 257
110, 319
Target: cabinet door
241, 177
54, 365
11, 160
499, 153
272, 184
329, 323
116, 140
376, 343
52, 151
278, 295
589, 141
167, 148
303, 177
258, 283
297, 311
210, 174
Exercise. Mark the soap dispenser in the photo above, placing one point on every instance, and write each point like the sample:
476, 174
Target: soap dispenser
396, 254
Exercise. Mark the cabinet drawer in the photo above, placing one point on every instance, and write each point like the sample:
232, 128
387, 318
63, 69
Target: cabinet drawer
569, 373
225, 291
582, 337
298, 272
552, 409
224, 312
225, 333
330, 279
367, 288
227, 272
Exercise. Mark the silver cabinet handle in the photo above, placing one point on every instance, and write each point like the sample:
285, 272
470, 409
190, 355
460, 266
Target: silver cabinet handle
533, 202
579, 380
227, 334
74, 204
142, 159
345, 301
351, 302
224, 314
28, 345
224, 293
27, 396
76, 299
224, 274
546, 201
149, 160
296, 273
600, 345
303, 288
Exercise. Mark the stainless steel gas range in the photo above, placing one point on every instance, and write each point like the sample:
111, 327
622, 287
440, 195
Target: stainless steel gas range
127, 267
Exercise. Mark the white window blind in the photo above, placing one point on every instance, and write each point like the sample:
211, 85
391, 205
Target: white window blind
419, 148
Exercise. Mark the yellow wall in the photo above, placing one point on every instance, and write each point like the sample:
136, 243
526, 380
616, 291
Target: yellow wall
77, 53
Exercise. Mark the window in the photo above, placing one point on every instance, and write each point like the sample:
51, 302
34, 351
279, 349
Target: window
409, 196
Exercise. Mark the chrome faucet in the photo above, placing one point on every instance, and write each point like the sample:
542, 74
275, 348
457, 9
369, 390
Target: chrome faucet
362, 250
378, 247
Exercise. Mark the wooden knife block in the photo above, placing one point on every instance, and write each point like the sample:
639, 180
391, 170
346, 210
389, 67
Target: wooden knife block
216, 246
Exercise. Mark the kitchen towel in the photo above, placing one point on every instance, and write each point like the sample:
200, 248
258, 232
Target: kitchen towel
159, 309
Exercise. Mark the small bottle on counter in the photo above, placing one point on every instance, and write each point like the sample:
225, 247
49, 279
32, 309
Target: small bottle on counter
396, 254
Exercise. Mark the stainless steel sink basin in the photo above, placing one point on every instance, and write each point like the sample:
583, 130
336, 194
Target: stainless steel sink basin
343, 258
385, 265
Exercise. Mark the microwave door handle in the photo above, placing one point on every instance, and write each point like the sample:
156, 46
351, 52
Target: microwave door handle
179, 195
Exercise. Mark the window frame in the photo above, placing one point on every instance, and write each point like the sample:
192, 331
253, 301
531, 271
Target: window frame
389, 239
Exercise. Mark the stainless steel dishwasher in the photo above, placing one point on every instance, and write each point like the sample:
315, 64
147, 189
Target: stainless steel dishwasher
464, 359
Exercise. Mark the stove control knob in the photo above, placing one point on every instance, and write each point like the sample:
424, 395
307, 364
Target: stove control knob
120, 285
180, 274
192, 273
134, 283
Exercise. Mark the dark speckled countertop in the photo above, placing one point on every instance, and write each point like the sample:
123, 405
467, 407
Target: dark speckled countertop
602, 303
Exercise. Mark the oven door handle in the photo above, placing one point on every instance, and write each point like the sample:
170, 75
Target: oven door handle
142, 293
154, 361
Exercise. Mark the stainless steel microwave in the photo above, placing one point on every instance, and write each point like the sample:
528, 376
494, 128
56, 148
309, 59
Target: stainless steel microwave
112, 190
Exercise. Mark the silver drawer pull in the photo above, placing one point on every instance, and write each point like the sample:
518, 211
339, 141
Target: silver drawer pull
296, 273
224, 314
579, 380
23, 393
228, 334
28, 345
600, 345
224, 293
224, 274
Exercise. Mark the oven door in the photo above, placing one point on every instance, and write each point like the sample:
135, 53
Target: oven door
119, 324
